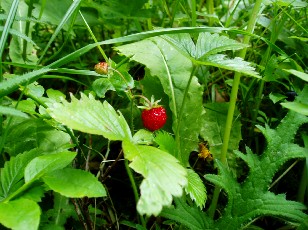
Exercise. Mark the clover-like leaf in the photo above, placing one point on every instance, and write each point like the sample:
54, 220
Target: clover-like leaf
163, 176
91, 116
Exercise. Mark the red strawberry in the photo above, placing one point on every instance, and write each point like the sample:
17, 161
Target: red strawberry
154, 118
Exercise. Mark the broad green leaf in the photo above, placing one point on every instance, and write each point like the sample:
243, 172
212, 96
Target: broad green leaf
42, 165
299, 74
20, 214
91, 116
297, 107
74, 183
12, 112
26, 134
195, 188
192, 217
185, 93
163, 176
11, 175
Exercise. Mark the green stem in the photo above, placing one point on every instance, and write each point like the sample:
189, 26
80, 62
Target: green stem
211, 10
27, 30
232, 104
93, 37
135, 190
193, 13
276, 29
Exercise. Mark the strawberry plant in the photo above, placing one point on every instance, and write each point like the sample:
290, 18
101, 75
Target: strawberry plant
84, 144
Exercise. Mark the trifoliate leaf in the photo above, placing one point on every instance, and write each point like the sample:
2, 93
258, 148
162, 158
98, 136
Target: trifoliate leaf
91, 116
163, 176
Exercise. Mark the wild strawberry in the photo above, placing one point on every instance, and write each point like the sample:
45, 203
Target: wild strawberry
101, 68
153, 116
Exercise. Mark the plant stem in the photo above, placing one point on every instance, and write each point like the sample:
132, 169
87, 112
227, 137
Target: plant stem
135, 190
27, 30
210, 9
93, 37
193, 13
232, 104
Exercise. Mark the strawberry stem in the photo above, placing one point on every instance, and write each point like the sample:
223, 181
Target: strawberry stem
144, 98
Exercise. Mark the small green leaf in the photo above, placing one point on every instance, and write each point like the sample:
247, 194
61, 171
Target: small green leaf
20, 214
143, 137
166, 142
299, 74
275, 97
47, 163
209, 44
237, 64
190, 216
195, 188
91, 116
74, 183
163, 176
297, 107
12, 112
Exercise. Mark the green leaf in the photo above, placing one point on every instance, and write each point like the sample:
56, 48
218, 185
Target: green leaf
163, 176
26, 134
195, 188
297, 107
118, 79
166, 142
12, 84
74, 183
101, 86
209, 44
143, 137
57, 216
213, 130
12, 112
192, 217
20, 214
91, 116
185, 93
237, 64
11, 175
41, 165
275, 97
299, 74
